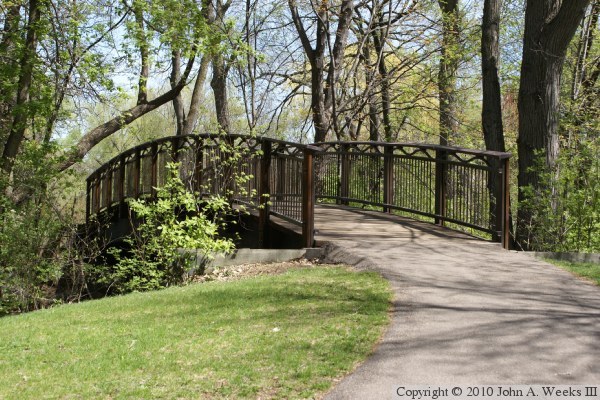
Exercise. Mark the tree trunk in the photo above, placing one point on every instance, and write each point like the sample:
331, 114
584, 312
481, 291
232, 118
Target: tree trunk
336, 60
197, 95
177, 101
144, 54
491, 115
386, 103
370, 83
208, 12
323, 96
10, 34
219, 87
450, 51
549, 28
587, 73
19, 124
220, 69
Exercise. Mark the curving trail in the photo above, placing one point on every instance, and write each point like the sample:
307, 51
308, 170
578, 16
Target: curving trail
465, 310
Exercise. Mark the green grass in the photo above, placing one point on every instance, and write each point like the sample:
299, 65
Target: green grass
284, 336
590, 271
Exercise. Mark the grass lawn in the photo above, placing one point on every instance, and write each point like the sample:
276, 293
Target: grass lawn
282, 336
589, 271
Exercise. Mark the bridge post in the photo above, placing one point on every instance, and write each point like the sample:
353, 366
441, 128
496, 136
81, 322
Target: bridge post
503, 203
136, 174
96, 195
198, 166
121, 188
345, 174
264, 193
87, 200
175, 148
388, 177
441, 179
153, 169
108, 188
308, 199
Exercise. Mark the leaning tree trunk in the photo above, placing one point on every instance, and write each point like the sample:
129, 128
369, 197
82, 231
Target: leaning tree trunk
549, 28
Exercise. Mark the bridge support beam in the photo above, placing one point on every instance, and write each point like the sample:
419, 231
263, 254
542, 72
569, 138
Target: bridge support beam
344, 174
264, 194
308, 199
388, 178
441, 182
503, 204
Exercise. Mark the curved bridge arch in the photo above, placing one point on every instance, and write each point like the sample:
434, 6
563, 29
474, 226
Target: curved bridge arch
462, 188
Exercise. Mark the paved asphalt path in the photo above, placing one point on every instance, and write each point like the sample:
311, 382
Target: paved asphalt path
465, 312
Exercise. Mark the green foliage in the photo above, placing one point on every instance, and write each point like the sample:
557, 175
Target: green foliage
177, 219
565, 209
33, 225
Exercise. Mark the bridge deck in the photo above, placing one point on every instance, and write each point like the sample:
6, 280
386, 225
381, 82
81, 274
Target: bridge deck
465, 310
340, 223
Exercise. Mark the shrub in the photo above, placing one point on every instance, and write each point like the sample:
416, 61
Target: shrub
565, 209
176, 219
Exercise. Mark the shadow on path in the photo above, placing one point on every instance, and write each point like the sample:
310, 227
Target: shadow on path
465, 310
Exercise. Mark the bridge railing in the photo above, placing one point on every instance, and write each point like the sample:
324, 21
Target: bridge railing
453, 186
271, 176
457, 187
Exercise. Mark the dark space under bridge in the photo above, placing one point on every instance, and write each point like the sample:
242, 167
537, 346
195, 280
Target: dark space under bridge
459, 188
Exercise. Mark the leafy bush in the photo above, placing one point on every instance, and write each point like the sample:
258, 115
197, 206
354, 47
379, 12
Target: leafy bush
33, 225
565, 210
176, 219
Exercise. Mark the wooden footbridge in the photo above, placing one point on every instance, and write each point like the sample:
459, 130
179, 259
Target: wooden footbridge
459, 188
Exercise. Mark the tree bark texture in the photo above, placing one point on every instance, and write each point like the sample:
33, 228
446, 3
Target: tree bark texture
549, 28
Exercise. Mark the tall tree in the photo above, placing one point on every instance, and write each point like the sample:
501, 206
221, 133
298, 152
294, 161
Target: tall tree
586, 69
549, 27
324, 77
491, 114
449, 62
220, 63
26, 67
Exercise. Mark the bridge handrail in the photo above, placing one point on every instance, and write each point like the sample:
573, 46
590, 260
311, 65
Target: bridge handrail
425, 146
123, 176
165, 139
453, 185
